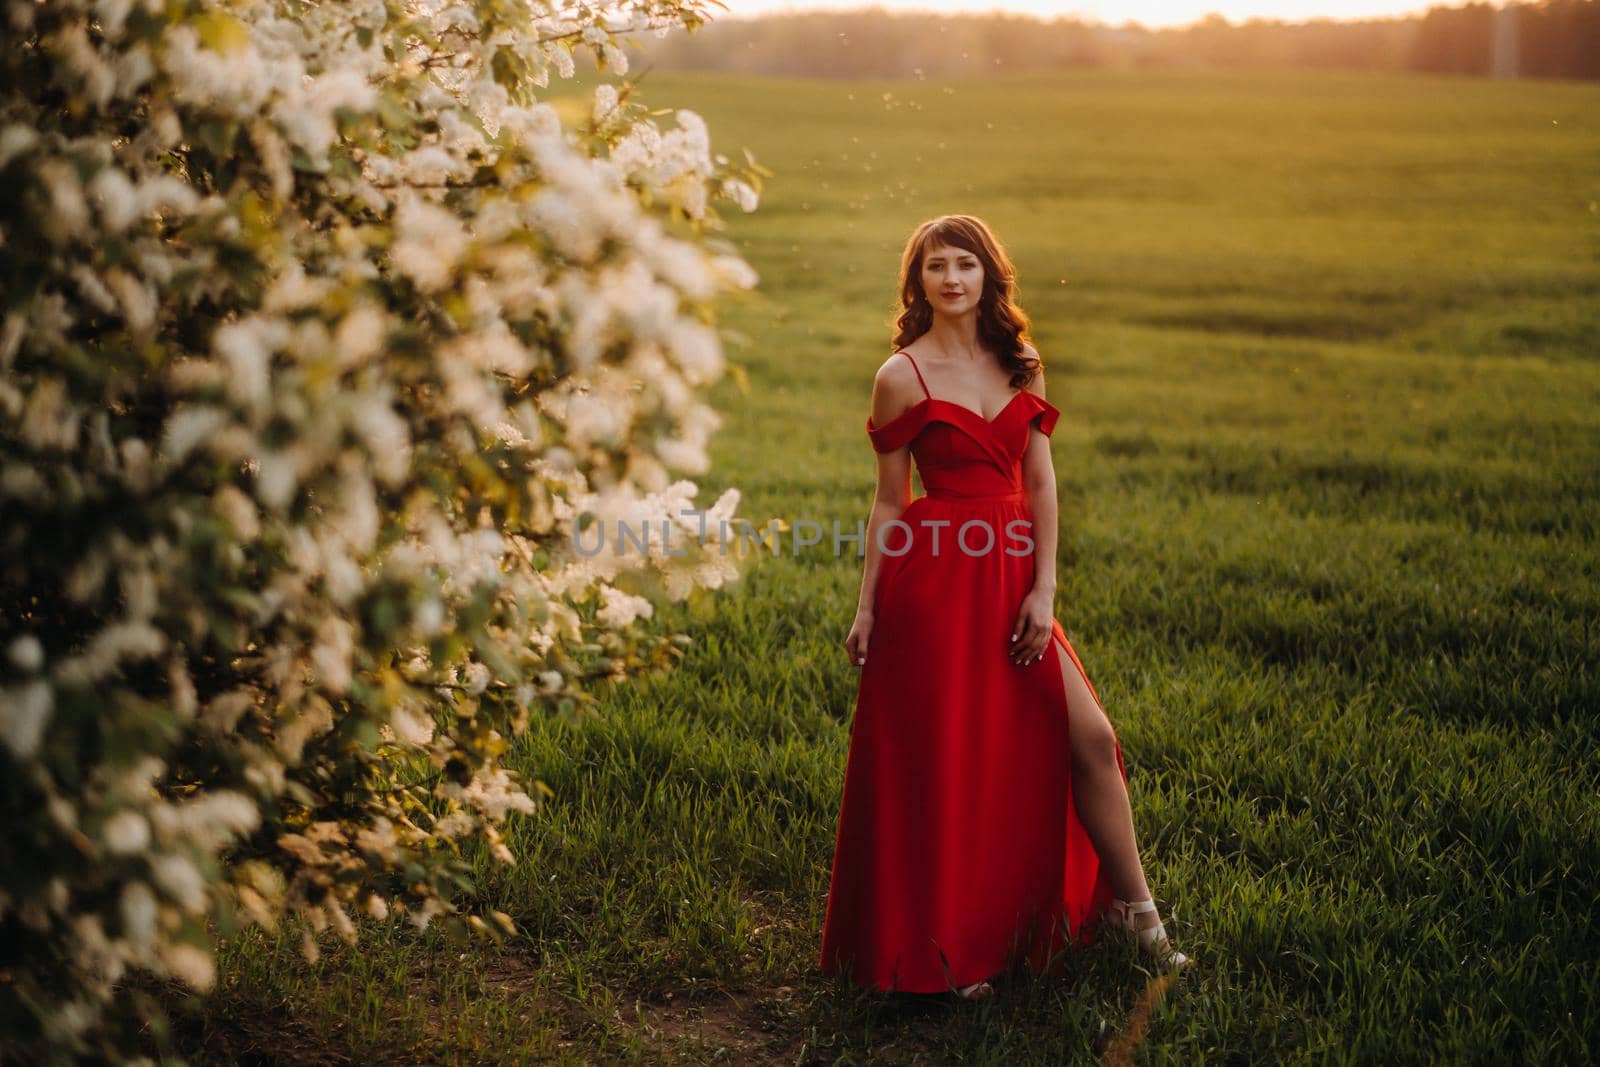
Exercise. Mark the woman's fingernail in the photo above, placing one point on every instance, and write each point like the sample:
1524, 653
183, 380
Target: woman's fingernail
1013, 637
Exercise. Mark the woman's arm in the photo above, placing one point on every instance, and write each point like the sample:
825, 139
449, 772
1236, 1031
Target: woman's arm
1031, 634
889, 502
890, 393
1039, 482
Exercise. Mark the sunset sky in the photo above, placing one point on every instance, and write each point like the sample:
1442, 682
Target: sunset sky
1149, 12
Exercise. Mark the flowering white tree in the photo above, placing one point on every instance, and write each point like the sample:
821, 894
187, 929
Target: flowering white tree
320, 335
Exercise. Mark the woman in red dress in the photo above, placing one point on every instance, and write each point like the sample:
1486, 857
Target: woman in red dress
985, 818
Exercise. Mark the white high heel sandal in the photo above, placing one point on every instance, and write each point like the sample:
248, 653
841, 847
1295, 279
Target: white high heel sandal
1152, 939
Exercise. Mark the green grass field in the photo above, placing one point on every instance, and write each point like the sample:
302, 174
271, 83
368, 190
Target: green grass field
1327, 349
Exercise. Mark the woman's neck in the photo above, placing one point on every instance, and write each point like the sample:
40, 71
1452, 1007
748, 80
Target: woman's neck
956, 338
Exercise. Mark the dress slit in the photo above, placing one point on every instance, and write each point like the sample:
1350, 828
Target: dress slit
1083, 910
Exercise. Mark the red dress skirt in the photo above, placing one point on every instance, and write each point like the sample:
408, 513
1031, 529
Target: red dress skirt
958, 852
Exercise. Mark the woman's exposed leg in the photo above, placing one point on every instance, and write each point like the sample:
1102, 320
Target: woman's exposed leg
1102, 801
1097, 786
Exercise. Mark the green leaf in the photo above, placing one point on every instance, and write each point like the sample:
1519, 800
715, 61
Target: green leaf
507, 68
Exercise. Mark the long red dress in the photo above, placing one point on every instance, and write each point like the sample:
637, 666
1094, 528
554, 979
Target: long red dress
959, 852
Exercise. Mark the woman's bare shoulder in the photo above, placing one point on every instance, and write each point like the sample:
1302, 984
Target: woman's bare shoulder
896, 370
1036, 383
894, 388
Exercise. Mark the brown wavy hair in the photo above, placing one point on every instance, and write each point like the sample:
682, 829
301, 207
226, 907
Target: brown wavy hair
1002, 325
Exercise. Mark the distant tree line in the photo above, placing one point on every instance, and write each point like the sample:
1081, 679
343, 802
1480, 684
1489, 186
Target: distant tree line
1554, 39
1550, 39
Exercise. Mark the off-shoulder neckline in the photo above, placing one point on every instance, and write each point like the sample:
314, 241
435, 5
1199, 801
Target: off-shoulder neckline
1018, 395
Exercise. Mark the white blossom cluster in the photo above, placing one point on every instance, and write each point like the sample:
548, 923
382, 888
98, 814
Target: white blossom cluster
319, 335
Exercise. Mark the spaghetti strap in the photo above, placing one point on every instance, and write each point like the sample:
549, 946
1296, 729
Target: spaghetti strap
914, 367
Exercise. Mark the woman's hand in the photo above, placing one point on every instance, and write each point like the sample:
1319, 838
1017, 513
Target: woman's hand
855, 645
1030, 634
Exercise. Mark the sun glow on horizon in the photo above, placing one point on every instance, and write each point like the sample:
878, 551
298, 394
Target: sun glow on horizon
1156, 14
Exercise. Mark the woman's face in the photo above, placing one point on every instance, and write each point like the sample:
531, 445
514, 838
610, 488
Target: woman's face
947, 270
